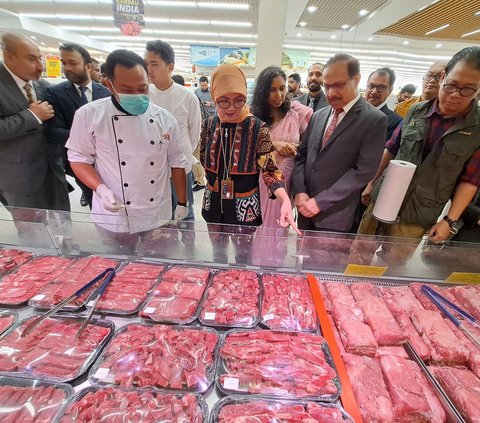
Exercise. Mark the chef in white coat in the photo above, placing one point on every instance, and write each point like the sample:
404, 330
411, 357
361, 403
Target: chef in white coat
123, 147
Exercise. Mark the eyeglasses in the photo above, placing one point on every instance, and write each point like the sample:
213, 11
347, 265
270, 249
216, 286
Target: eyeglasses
464, 92
430, 76
225, 104
380, 88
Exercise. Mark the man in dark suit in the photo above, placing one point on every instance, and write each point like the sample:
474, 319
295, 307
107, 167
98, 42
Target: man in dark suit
339, 153
379, 87
66, 98
24, 173
315, 98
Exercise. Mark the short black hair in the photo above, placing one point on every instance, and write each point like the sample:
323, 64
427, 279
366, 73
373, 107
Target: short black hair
203, 78
469, 55
103, 66
163, 49
95, 61
79, 49
261, 92
409, 88
122, 57
296, 77
386, 72
179, 79
317, 64
352, 63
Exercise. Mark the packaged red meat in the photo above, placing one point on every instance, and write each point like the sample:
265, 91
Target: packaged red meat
71, 280
19, 286
287, 303
262, 409
412, 397
174, 357
364, 291
468, 297
420, 347
7, 319
28, 401
233, 300
177, 297
115, 404
11, 259
51, 351
343, 303
400, 299
357, 338
417, 290
463, 388
279, 364
128, 290
369, 388
444, 346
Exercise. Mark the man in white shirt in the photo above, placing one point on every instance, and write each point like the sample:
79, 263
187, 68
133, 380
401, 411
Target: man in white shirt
123, 147
178, 100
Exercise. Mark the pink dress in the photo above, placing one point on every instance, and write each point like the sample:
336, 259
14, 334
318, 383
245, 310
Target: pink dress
288, 129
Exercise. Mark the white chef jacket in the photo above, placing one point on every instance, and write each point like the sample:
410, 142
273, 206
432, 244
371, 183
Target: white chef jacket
133, 156
185, 107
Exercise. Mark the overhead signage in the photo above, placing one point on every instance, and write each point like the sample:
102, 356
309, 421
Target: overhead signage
128, 15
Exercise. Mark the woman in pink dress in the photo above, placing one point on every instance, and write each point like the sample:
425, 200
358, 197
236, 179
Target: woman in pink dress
287, 120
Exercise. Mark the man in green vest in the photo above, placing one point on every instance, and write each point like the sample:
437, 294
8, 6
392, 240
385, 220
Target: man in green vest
442, 137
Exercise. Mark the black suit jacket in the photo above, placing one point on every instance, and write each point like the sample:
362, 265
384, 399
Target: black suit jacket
393, 120
321, 103
66, 101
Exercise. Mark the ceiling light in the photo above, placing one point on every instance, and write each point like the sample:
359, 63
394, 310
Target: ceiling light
333, 36
470, 33
437, 29
351, 29
230, 23
171, 3
345, 26
42, 43
478, 13
439, 45
33, 37
406, 43
303, 23
363, 12
312, 9
299, 34
237, 6
371, 15
370, 39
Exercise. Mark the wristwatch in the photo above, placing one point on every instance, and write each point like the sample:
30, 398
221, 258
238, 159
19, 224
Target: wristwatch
454, 226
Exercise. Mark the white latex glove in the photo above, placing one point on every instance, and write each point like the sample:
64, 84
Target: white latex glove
107, 198
181, 212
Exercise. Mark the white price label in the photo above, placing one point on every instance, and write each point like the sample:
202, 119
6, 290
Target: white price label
149, 310
39, 297
209, 316
85, 384
102, 373
231, 383
90, 303
268, 317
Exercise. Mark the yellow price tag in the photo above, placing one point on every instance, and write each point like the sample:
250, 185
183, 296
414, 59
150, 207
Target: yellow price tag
360, 270
461, 277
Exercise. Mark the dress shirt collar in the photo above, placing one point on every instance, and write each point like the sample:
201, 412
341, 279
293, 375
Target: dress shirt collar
349, 105
381, 105
89, 86
19, 81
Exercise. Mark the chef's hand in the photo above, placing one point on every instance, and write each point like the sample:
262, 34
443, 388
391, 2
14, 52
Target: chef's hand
181, 212
439, 232
108, 199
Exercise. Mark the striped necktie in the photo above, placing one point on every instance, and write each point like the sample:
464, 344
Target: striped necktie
331, 127
28, 89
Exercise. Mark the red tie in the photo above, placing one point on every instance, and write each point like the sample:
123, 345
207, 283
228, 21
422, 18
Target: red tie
331, 127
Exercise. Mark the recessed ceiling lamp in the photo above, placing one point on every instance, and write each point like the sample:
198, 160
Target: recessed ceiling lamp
299, 34
303, 23
312, 9
370, 38
439, 45
437, 29
470, 33
363, 12
406, 43
345, 26
333, 36
478, 13
33, 37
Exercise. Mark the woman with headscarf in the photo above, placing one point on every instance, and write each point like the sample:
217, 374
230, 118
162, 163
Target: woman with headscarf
287, 120
235, 149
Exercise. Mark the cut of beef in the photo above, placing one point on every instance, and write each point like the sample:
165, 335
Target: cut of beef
160, 356
417, 290
326, 298
338, 339
232, 300
357, 338
421, 348
343, 303
364, 291
11, 259
469, 298
463, 388
412, 398
6, 321
287, 364
118, 405
444, 346
400, 299
287, 303
369, 388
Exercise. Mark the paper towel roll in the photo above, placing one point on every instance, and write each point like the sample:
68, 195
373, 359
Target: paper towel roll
395, 184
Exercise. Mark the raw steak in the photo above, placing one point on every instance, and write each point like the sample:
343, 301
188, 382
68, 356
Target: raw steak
357, 338
18, 287
160, 356
417, 290
422, 349
412, 398
128, 290
398, 351
469, 298
122, 406
463, 388
343, 303
326, 298
287, 303
6, 321
287, 364
51, 350
383, 324
364, 291
70, 281
338, 339
444, 346
232, 300
177, 297
278, 411
11, 259
37, 404
369, 388
400, 299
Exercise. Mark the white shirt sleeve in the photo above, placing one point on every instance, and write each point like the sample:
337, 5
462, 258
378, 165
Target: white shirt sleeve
80, 144
175, 153
194, 120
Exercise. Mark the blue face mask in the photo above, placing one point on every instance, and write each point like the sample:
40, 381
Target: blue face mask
135, 104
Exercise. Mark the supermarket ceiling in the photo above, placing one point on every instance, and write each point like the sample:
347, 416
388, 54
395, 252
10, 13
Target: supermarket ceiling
389, 31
